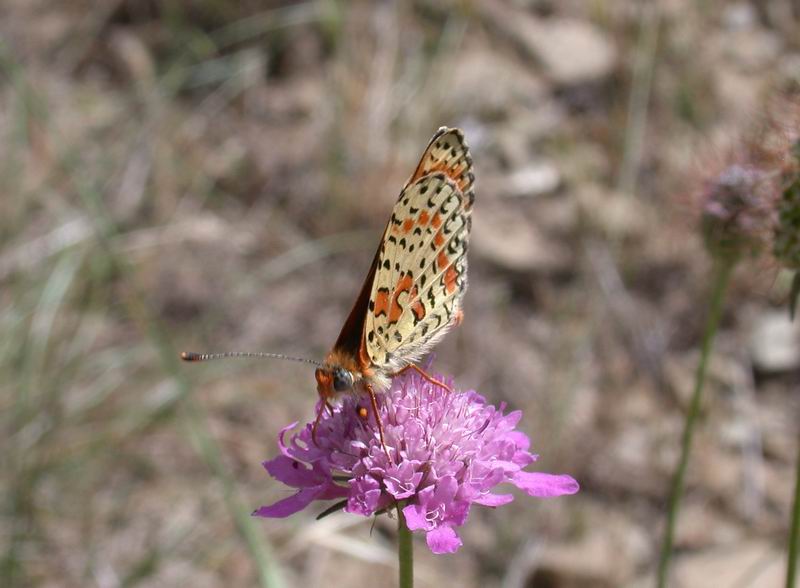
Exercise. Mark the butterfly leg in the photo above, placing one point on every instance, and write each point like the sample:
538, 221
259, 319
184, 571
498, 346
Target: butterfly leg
374, 401
424, 375
322, 407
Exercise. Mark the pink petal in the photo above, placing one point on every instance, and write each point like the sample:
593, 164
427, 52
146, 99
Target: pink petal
503, 466
513, 418
519, 439
446, 489
291, 472
288, 506
443, 540
544, 485
365, 493
457, 513
282, 434
490, 499
415, 517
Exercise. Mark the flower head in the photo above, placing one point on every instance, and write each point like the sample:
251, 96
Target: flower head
448, 451
734, 214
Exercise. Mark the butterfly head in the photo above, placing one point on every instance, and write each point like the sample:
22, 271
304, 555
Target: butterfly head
333, 380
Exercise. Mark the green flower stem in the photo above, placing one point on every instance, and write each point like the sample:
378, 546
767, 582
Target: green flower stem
794, 533
405, 550
723, 270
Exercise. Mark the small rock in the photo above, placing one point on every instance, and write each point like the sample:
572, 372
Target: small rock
512, 84
537, 178
559, 214
755, 563
739, 16
752, 51
536, 124
508, 239
571, 51
616, 214
701, 525
608, 554
775, 417
515, 138
775, 343
739, 93
789, 69
513, 148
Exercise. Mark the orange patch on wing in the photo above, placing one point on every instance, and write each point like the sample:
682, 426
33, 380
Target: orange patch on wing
438, 239
453, 172
441, 260
395, 310
450, 279
408, 224
381, 303
436, 221
417, 307
424, 217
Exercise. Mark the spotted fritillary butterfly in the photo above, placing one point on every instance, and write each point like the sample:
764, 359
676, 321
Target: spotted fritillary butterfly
413, 291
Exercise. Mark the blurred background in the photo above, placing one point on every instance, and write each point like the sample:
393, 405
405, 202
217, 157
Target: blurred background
209, 175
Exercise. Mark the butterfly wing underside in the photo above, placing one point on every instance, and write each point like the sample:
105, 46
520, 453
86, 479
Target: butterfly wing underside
421, 270
413, 291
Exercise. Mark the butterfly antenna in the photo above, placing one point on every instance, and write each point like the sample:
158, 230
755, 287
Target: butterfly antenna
192, 356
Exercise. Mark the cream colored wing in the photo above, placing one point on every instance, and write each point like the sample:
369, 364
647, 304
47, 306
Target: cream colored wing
420, 276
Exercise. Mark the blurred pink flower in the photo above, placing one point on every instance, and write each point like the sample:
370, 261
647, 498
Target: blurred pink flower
449, 451
735, 211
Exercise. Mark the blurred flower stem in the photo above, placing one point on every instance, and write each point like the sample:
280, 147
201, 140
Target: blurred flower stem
405, 550
794, 533
724, 268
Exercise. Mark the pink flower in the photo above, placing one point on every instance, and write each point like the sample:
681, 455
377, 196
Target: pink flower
449, 451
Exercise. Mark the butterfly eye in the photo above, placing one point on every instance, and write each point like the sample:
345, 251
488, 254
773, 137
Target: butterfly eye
342, 380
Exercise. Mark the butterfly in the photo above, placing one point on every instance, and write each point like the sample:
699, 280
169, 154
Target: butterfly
415, 285
413, 291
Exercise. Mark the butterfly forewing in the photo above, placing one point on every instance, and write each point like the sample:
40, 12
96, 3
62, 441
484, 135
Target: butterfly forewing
420, 276
414, 288
448, 153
